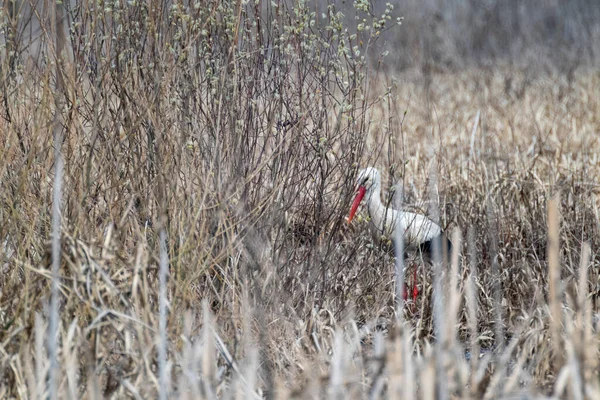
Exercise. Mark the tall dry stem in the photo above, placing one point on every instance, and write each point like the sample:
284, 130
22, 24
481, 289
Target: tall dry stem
554, 282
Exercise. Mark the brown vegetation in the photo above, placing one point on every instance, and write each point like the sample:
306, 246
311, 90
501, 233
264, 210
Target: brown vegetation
224, 147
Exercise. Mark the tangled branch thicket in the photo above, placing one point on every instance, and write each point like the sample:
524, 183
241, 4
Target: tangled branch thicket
237, 128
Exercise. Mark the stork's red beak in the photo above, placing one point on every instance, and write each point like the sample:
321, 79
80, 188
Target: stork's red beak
359, 196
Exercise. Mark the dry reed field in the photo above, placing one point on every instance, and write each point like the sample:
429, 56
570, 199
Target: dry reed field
175, 179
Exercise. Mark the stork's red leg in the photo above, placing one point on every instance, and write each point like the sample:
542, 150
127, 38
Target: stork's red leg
415, 291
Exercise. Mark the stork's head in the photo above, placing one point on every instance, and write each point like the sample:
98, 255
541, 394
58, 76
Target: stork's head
367, 183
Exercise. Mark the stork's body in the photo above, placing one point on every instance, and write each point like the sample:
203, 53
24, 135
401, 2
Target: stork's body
420, 232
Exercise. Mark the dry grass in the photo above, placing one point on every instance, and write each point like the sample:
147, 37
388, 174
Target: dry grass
204, 252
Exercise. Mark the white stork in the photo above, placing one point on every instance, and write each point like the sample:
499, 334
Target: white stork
420, 232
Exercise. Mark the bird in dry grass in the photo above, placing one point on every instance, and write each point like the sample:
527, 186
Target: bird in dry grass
419, 232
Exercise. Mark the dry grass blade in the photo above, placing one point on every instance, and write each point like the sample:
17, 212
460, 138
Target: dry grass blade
473, 133
399, 261
208, 351
471, 303
174, 183
454, 296
163, 344
554, 282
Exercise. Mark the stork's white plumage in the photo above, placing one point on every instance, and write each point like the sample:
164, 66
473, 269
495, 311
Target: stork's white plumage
419, 231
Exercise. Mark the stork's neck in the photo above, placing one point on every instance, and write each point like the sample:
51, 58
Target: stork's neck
376, 207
